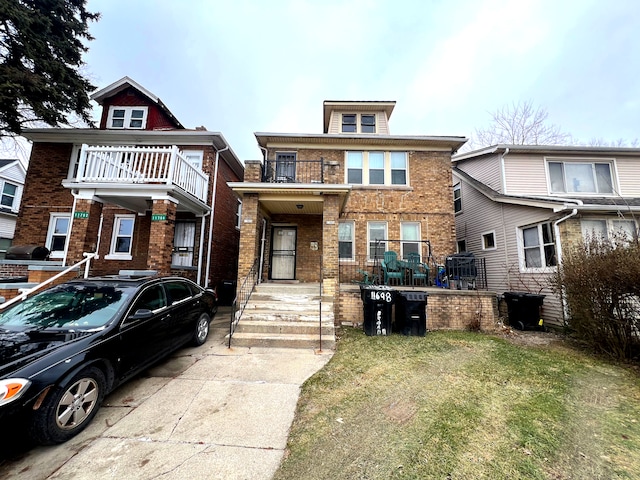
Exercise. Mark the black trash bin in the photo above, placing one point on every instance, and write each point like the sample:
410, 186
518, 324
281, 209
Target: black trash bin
226, 292
411, 313
377, 302
524, 310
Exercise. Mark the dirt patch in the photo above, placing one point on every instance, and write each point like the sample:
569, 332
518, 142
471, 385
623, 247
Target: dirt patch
401, 411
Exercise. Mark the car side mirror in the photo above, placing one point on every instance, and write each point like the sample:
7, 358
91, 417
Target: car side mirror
141, 314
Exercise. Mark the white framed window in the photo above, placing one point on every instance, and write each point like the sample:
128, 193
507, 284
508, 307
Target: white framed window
346, 240
58, 233
376, 239
489, 240
461, 245
127, 117
457, 198
184, 239
580, 176
409, 238
122, 238
358, 123
9, 194
194, 157
624, 230
537, 247
376, 168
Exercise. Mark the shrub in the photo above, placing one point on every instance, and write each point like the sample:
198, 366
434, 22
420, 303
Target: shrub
600, 281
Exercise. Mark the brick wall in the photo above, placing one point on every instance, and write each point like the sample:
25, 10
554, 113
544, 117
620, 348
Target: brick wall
446, 309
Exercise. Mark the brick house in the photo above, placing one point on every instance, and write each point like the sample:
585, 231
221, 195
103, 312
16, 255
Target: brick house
142, 190
321, 206
519, 207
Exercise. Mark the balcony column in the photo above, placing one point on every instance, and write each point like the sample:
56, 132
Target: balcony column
163, 221
249, 236
330, 262
85, 225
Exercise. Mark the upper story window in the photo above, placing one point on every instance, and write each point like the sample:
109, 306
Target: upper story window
580, 177
9, 191
127, 117
358, 123
377, 168
457, 198
194, 157
538, 247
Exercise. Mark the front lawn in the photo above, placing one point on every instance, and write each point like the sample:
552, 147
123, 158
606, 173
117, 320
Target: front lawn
462, 405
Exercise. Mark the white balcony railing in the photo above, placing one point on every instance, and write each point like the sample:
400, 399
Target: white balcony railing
136, 165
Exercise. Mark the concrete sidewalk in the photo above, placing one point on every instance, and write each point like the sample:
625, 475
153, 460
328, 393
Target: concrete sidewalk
205, 413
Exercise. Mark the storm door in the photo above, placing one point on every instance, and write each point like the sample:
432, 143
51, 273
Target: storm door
283, 253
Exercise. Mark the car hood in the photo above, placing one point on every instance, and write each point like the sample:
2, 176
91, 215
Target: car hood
18, 349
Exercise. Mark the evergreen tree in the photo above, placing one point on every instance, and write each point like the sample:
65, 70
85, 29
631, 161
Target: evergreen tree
40, 56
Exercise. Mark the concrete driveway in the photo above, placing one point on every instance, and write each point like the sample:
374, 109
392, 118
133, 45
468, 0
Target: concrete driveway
205, 413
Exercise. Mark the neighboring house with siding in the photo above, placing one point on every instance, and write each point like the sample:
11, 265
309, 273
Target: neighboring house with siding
141, 190
315, 206
12, 174
519, 207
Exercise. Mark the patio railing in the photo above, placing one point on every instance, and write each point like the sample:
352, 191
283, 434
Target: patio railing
293, 171
134, 165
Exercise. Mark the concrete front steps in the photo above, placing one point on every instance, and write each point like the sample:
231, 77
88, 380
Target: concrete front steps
281, 315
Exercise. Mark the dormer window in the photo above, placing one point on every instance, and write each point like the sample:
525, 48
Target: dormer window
127, 117
349, 124
368, 124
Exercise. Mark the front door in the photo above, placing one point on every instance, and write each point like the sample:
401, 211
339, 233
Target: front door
283, 253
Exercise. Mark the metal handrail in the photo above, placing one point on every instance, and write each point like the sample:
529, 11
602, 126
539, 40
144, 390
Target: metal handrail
25, 294
246, 288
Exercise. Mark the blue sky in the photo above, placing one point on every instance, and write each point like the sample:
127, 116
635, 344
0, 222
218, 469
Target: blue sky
243, 66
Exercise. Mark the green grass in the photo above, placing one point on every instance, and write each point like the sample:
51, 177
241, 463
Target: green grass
461, 405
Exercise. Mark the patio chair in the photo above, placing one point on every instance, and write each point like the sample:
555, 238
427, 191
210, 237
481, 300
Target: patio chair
419, 271
391, 269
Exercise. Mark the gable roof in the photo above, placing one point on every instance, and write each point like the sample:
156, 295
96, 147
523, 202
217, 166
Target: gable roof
125, 82
6, 163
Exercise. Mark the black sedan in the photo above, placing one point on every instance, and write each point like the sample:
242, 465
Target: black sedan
62, 350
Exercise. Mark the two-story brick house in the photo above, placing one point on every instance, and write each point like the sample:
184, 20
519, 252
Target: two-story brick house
519, 207
141, 190
318, 205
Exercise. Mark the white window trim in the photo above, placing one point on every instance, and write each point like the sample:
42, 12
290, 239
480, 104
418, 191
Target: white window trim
387, 169
113, 255
457, 188
353, 242
609, 224
418, 241
369, 240
612, 166
521, 257
495, 241
194, 153
52, 221
127, 117
239, 214
16, 195
458, 241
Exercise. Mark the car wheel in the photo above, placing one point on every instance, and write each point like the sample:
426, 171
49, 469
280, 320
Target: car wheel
70, 408
202, 330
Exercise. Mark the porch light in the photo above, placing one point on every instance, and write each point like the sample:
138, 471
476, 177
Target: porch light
299, 206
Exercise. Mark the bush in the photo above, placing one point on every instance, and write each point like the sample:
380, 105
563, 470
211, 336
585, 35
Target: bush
600, 281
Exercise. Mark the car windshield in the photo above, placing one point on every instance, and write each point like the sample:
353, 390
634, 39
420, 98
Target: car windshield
67, 306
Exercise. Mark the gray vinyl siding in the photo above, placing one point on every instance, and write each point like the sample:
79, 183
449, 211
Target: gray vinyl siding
7, 226
480, 214
485, 169
525, 175
13, 174
382, 124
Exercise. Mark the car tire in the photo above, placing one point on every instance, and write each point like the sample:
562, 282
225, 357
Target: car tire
69, 408
201, 332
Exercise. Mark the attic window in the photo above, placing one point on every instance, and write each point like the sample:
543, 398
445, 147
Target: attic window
368, 124
349, 123
127, 117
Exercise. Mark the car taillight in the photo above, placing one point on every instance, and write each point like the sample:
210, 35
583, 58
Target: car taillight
12, 388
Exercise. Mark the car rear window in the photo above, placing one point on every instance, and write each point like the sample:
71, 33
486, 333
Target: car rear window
178, 290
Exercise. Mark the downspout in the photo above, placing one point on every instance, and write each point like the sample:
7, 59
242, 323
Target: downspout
263, 241
556, 231
213, 206
200, 249
502, 171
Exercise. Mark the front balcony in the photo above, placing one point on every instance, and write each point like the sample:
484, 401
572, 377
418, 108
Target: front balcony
293, 171
132, 175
